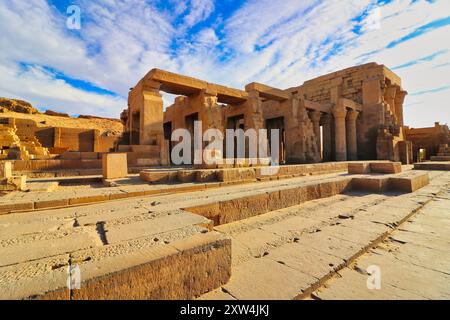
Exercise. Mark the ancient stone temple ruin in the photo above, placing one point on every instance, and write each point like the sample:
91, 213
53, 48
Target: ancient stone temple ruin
353, 114
90, 211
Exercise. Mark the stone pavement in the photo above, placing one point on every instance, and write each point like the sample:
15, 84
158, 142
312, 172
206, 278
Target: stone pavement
290, 253
414, 262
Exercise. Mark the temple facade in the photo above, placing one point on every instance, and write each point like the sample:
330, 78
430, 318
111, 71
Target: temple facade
352, 114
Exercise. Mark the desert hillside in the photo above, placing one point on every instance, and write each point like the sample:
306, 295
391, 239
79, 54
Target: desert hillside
11, 108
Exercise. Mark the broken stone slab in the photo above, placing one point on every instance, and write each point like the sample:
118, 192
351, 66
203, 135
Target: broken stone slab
14, 183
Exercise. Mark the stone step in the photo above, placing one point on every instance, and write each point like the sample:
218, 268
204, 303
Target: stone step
437, 158
121, 254
435, 165
288, 253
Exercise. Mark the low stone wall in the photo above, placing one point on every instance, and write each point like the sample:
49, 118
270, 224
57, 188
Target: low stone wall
224, 212
237, 209
240, 174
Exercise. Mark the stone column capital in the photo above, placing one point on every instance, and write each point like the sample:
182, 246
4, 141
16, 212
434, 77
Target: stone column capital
315, 116
326, 119
339, 112
352, 115
151, 85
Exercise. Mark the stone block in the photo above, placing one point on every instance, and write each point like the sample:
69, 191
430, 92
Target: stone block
440, 166
386, 167
5, 169
237, 174
440, 158
158, 176
206, 175
409, 182
88, 199
14, 207
186, 175
14, 183
358, 168
89, 155
146, 162
371, 184
114, 165
189, 268
71, 155
51, 203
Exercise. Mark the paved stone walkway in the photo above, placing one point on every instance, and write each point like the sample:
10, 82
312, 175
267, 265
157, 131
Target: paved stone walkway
414, 263
290, 253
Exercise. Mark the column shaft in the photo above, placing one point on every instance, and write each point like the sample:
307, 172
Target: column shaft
352, 145
327, 144
340, 134
315, 118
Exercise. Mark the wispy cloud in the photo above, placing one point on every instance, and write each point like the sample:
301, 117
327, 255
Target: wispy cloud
231, 42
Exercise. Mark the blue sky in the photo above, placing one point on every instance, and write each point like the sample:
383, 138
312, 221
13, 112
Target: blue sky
232, 42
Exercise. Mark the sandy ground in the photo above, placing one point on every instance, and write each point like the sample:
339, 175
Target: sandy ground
104, 125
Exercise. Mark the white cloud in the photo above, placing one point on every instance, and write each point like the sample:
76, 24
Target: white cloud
42, 88
199, 11
263, 40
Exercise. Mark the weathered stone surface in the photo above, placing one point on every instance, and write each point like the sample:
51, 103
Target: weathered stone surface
359, 168
386, 167
183, 270
441, 166
5, 169
409, 182
238, 174
114, 165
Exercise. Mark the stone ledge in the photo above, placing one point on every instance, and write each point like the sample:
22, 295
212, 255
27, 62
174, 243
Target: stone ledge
185, 269
439, 166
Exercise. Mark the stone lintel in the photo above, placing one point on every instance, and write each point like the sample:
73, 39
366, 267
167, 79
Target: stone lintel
315, 106
183, 85
268, 92
350, 104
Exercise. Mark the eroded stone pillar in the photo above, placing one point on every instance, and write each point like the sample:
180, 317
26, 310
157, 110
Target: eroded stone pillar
151, 121
315, 118
399, 99
389, 97
340, 134
352, 144
327, 143
254, 119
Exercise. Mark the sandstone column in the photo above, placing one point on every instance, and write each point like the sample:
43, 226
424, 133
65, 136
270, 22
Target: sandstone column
254, 120
57, 137
96, 140
315, 118
389, 97
352, 145
326, 125
211, 117
339, 114
151, 120
399, 99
